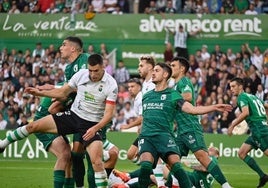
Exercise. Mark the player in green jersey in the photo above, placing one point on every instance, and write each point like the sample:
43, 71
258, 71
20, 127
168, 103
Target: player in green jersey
57, 145
253, 112
189, 131
156, 139
71, 51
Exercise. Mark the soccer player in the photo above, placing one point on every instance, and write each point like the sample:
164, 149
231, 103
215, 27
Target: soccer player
71, 51
134, 88
253, 112
92, 109
160, 107
189, 131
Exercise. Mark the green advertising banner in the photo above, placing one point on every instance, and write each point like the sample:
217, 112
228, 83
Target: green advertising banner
31, 148
129, 26
132, 35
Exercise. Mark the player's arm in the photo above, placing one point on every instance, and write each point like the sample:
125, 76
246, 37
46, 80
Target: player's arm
199, 110
107, 117
58, 93
136, 122
238, 119
187, 96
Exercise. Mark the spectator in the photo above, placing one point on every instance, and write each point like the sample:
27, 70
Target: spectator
121, 74
214, 6
151, 9
168, 53
124, 5
251, 10
123, 93
241, 6
214, 129
260, 92
108, 67
103, 50
6, 5
98, 5
38, 50
117, 10
256, 57
204, 52
168, 9
14, 9
12, 123
110, 5
44, 4
52, 9
3, 122
228, 6
180, 41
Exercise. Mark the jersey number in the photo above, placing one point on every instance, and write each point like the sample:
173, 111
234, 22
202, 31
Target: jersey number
260, 108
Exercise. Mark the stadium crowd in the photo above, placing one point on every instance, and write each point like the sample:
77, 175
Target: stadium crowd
210, 72
135, 6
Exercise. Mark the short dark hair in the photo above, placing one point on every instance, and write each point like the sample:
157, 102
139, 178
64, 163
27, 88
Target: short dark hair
238, 80
183, 61
135, 80
166, 68
95, 59
76, 40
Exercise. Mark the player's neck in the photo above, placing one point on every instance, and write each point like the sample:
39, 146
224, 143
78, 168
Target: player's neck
160, 86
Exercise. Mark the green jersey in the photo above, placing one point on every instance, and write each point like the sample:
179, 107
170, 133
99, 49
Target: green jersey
72, 68
42, 110
202, 179
256, 120
186, 122
159, 109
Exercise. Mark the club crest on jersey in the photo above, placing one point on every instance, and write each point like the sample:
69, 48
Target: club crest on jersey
100, 88
75, 68
163, 97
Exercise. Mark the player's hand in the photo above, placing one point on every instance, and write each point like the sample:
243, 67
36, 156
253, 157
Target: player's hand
89, 134
45, 87
32, 91
230, 130
224, 107
124, 126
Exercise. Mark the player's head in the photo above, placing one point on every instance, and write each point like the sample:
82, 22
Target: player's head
70, 48
146, 65
134, 86
161, 71
213, 151
76, 41
237, 86
95, 66
179, 66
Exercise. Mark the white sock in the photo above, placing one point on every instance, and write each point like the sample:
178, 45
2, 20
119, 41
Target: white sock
158, 173
17, 134
226, 185
101, 179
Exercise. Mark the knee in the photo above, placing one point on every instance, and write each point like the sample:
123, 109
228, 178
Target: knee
32, 127
241, 154
114, 152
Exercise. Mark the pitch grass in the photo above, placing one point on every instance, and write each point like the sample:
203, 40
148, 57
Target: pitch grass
39, 174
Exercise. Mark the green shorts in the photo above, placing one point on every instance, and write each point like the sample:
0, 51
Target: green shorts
47, 139
159, 146
258, 142
191, 141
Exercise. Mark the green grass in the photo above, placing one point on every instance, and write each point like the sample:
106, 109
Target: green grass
38, 174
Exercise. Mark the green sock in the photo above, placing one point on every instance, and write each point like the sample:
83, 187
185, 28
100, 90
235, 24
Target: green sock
18, 134
253, 165
216, 172
78, 168
169, 180
135, 173
59, 178
145, 172
90, 173
181, 175
69, 183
